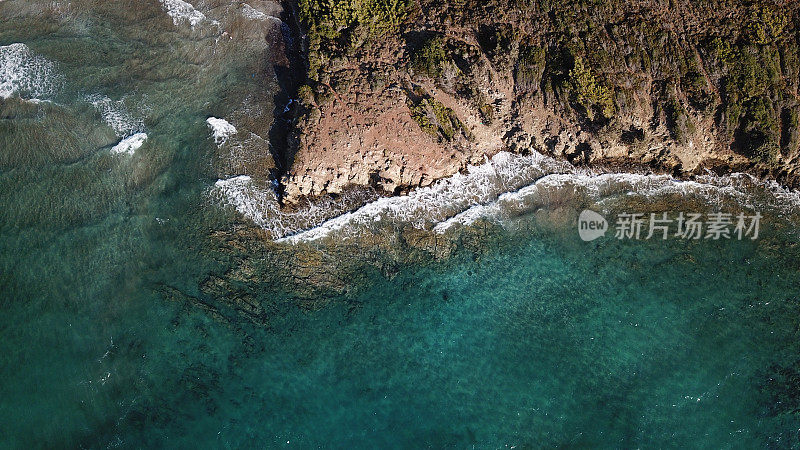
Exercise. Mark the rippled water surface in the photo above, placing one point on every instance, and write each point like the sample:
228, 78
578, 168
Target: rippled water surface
140, 309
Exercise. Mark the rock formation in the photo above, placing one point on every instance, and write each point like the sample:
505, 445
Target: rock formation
399, 93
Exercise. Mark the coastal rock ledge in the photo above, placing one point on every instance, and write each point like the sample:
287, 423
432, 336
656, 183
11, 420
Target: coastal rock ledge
400, 93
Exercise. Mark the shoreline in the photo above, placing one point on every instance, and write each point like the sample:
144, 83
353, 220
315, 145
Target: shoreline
398, 108
480, 186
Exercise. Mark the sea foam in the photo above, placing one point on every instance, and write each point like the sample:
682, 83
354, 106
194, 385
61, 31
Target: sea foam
23, 73
425, 207
251, 13
221, 128
502, 188
181, 12
130, 144
116, 114
740, 189
510, 185
259, 204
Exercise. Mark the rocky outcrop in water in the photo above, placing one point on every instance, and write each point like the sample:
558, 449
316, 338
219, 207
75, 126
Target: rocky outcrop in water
401, 93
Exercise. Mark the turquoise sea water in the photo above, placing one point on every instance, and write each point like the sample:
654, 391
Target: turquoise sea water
524, 337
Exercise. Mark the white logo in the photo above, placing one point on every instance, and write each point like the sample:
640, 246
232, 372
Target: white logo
591, 225
688, 226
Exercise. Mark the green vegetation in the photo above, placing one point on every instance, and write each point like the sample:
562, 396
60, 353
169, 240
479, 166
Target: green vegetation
598, 59
678, 121
695, 85
751, 106
420, 115
530, 67
437, 120
329, 21
723, 50
306, 95
431, 58
447, 120
696, 88
496, 40
590, 93
790, 130
759, 135
766, 25
328, 18
487, 113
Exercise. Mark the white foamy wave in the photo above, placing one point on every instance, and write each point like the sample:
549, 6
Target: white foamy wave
251, 13
221, 128
130, 144
181, 12
426, 207
742, 190
25, 74
116, 114
249, 200
505, 187
260, 205
512, 185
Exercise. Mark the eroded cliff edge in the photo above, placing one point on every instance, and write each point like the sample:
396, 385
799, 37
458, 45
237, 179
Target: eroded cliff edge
400, 93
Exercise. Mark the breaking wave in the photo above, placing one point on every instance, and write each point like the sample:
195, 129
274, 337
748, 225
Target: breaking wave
129, 145
181, 12
505, 187
117, 115
260, 205
254, 14
221, 128
738, 189
27, 75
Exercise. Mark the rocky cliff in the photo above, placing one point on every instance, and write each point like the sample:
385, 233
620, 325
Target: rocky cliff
399, 93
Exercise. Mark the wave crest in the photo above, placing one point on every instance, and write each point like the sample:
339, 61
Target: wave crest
23, 73
181, 12
116, 114
505, 187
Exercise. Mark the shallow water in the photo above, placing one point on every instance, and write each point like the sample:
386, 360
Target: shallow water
522, 336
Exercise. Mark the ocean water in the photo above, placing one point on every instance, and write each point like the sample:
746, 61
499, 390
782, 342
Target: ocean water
145, 302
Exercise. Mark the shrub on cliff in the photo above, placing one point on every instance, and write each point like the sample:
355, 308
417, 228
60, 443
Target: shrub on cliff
694, 83
590, 93
326, 23
695, 86
723, 50
766, 25
306, 95
758, 137
329, 18
678, 123
752, 96
790, 130
496, 41
530, 67
437, 120
382, 16
431, 58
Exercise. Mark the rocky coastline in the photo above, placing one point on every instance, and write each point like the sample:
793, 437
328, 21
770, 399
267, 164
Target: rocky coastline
421, 91
395, 95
